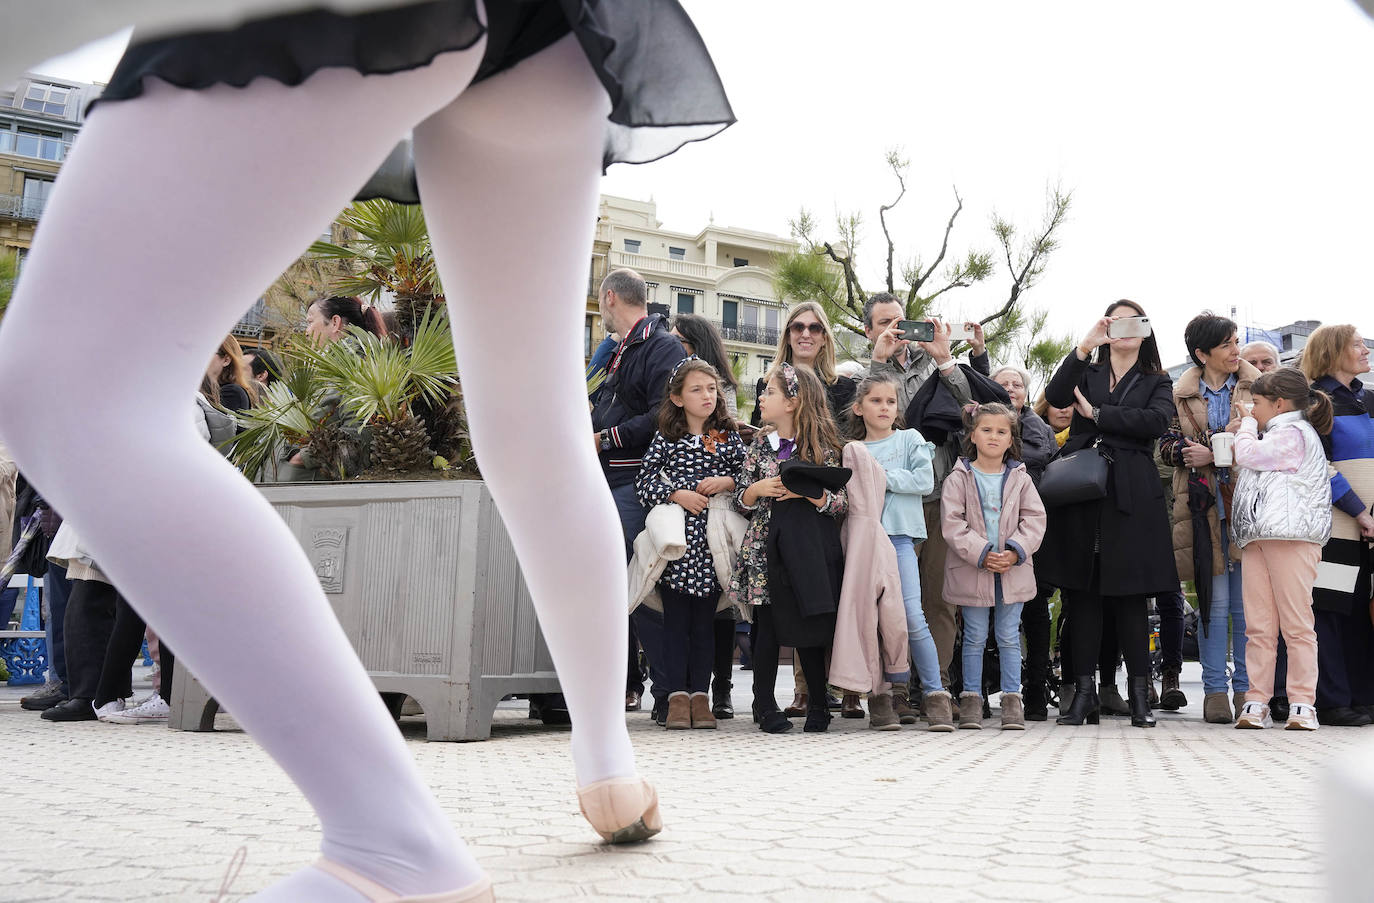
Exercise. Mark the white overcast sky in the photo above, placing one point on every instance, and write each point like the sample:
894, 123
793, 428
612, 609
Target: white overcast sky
1219, 153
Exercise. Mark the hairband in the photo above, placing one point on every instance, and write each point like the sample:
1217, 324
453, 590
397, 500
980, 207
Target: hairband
678, 366
789, 379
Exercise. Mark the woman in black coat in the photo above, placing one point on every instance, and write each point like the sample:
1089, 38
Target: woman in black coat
1115, 551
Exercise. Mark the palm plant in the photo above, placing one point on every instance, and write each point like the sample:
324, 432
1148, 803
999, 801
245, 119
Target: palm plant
294, 413
391, 254
379, 383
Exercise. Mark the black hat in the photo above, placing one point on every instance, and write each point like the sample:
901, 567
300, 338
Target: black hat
811, 480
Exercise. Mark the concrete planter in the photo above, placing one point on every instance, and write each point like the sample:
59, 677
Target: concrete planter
423, 578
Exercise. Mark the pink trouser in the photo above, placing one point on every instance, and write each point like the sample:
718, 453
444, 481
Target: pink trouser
1277, 578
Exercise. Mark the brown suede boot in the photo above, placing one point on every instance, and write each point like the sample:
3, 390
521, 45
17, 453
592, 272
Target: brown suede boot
901, 705
939, 707
679, 712
850, 707
702, 716
1013, 712
881, 716
798, 707
1238, 702
1216, 709
970, 712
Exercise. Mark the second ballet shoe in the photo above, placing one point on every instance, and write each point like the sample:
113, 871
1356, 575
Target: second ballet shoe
621, 810
480, 892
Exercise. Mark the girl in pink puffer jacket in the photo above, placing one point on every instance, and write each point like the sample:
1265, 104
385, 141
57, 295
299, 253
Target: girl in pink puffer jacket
993, 521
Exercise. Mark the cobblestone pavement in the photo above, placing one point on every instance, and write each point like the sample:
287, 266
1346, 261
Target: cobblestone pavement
1188, 811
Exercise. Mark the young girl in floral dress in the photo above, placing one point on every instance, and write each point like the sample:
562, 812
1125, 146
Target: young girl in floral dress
798, 427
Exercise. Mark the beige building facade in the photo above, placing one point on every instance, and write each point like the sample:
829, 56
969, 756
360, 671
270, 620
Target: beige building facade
722, 273
39, 117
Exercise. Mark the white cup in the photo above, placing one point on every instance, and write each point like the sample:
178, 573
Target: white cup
1223, 449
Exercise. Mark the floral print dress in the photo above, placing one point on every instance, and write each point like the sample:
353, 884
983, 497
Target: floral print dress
749, 583
670, 466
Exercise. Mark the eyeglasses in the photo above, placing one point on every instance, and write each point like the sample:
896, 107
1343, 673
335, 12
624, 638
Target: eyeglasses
813, 328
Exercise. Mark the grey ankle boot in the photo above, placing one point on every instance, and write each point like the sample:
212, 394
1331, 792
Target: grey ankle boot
1110, 700
1013, 712
970, 712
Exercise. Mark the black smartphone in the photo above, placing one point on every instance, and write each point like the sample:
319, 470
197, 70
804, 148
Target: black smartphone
917, 330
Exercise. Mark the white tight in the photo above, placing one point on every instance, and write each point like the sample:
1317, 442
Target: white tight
174, 211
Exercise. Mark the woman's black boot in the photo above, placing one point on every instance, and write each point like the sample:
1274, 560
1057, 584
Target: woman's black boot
1139, 701
1084, 705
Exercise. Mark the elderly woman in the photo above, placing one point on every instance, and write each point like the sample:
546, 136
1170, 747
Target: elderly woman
1037, 447
1209, 399
1332, 359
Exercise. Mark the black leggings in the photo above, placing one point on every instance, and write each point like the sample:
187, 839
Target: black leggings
766, 665
724, 630
1088, 609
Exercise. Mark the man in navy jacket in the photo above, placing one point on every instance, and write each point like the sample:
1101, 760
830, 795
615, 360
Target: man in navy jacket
623, 424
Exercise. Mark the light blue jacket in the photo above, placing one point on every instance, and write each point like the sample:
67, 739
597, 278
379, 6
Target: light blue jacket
907, 459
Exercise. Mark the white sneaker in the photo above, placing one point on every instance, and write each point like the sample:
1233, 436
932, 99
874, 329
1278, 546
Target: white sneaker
1254, 716
1301, 717
150, 710
110, 708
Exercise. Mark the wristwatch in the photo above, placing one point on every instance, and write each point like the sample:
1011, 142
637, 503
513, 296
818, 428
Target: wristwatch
605, 440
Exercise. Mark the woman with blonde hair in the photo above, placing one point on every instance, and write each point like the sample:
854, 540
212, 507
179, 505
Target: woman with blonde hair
1331, 360
237, 390
807, 338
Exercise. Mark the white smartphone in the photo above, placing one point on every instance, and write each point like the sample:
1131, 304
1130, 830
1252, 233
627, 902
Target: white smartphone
1129, 328
960, 333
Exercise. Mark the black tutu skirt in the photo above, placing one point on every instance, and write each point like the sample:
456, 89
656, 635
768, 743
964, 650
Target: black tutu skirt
663, 87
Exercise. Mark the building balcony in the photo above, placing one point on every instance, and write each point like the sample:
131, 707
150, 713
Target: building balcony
643, 263
36, 147
16, 206
755, 335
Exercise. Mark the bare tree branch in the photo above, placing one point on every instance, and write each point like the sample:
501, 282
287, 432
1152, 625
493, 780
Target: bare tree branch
898, 166
944, 247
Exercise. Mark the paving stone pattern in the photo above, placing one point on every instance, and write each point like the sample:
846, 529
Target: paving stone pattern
1187, 811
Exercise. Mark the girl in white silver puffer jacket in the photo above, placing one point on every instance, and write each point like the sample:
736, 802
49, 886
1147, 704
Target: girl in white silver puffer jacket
1281, 518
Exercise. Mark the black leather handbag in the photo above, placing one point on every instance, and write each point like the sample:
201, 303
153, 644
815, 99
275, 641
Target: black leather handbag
1077, 477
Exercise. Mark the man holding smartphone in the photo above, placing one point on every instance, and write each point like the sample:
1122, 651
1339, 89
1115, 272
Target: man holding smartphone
913, 363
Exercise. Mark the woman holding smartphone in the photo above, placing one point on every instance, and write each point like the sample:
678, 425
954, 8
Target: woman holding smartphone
1115, 551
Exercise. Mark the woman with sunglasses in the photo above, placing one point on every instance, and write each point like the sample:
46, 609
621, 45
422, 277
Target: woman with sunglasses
806, 339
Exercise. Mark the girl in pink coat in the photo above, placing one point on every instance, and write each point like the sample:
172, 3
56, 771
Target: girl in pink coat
993, 521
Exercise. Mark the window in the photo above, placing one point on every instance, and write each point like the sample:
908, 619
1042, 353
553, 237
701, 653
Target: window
49, 99
35, 196
587, 339
771, 317
632, 245
741, 262
686, 303
729, 314
765, 362
41, 145
677, 253
751, 315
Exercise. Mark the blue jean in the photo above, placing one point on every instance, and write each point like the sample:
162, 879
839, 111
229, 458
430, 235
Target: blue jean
1008, 626
1211, 643
646, 625
57, 589
925, 661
